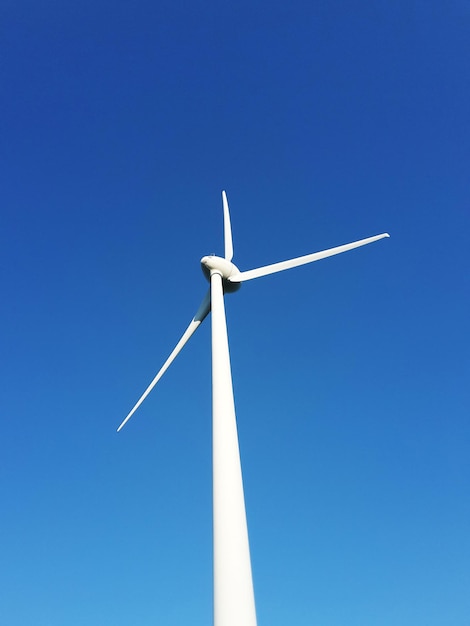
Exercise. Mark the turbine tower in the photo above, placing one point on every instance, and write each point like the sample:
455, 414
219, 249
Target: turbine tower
234, 601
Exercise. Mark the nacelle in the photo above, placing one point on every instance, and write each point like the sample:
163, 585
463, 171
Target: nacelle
223, 267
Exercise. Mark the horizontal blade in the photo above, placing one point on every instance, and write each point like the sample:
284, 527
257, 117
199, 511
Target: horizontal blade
227, 229
301, 260
193, 326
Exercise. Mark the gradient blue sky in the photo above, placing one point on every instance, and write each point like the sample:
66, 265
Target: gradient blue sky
325, 122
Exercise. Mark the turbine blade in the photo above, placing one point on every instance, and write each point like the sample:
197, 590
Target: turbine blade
301, 260
193, 326
227, 229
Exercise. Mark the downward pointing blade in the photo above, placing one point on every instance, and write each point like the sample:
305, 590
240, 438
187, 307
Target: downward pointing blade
301, 260
227, 229
193, 326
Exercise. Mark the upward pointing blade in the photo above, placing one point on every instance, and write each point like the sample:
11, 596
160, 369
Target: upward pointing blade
301, 260
227, 229
193, 326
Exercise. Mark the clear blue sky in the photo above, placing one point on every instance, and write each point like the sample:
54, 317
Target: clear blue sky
326, 122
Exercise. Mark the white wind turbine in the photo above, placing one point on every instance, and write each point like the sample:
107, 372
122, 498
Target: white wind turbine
234, 602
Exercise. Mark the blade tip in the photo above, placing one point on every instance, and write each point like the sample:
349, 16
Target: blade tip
124, 422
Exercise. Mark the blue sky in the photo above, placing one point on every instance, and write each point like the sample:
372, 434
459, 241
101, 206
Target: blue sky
325, 122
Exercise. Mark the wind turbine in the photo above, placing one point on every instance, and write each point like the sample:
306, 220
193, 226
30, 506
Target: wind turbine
234, 602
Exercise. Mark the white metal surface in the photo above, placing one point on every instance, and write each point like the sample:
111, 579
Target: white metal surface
197, 320
224, 267
234, 602
301, 260
227, 229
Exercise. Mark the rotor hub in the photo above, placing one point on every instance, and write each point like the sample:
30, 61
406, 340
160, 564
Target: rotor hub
215, 264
